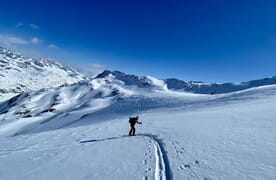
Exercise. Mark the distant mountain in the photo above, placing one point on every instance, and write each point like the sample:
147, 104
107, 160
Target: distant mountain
104, 97
133, 80
39, 94
20, 74
198, 87
216, 88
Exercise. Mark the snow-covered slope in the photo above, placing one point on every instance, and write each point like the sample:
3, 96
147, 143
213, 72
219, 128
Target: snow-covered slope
98, 99
80, 132
109, 95
20, 74
133, 80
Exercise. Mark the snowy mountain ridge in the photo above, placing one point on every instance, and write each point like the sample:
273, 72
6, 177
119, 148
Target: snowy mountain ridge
25, 74
133, 80
197, 87
21, 74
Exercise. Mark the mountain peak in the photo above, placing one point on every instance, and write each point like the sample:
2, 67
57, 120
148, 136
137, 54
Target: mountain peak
133, 80
19, 74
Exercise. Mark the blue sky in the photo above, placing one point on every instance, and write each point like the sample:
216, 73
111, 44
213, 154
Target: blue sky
214, 41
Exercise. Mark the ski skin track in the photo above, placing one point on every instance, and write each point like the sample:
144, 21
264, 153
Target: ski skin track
159, 163
162, 166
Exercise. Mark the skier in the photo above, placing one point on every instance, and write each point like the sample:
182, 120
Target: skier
133, 121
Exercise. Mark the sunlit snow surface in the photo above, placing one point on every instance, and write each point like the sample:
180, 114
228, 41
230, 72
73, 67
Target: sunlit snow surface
21, 74
80, 132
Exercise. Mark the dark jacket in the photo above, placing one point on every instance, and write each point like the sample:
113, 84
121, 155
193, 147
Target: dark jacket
134, 120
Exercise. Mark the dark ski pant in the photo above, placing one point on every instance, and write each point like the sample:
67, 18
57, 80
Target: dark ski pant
132, 131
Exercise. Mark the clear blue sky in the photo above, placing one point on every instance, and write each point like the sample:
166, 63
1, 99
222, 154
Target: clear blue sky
214, 40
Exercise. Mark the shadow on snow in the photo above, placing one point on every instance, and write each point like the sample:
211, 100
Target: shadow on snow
148, 135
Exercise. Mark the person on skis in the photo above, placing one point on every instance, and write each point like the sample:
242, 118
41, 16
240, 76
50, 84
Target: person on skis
133, 121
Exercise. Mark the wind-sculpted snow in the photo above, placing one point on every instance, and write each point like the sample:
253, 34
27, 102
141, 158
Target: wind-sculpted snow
183, 135
81, 104
230, 136
38, 108
100, 100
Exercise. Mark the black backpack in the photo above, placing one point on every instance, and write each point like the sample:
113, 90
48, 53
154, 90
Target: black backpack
132, 119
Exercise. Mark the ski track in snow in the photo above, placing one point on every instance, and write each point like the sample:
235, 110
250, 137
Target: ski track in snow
162, 166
